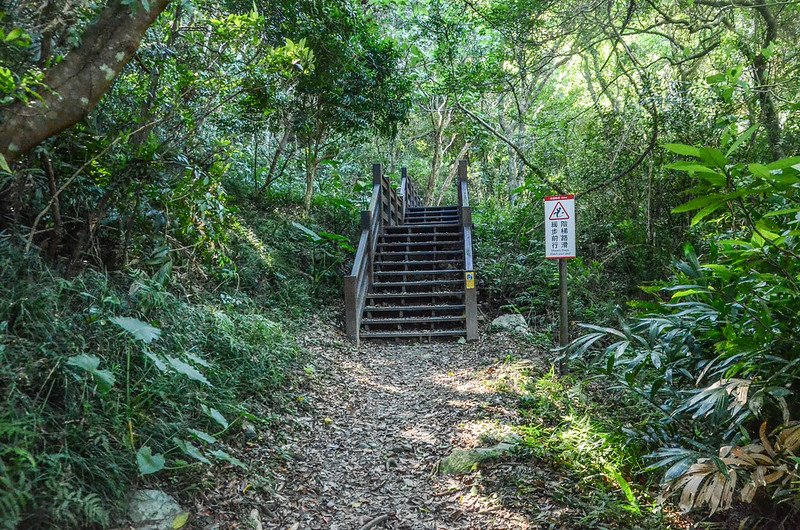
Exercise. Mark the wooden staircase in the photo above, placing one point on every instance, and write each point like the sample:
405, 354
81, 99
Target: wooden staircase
413, 276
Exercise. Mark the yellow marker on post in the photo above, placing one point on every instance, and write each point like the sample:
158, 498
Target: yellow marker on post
469, 279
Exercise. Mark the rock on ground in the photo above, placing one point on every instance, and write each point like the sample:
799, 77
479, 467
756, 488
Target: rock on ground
465, 460
155, 510
514, 323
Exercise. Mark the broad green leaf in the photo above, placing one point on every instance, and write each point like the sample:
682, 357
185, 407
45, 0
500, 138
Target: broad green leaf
769, 51
759, 171
780, 178
683, 149
199, 360
767, 230
191, 450
156, 360
180, 520
696, 204
713, 157
215, 415
705, 172
784, 163
716, 179
90, 363
745, 136
689, 292
203, 436
313, 236
188, 370
705, 212
222, 455
4, 164
148, 462
140, 330
782, 212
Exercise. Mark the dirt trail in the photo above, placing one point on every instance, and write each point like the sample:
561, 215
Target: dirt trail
382, 417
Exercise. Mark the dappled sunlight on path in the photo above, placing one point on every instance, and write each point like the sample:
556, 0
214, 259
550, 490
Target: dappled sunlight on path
383, 417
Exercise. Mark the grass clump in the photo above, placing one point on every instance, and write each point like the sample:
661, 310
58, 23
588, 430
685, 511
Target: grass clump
567, 429
112, 381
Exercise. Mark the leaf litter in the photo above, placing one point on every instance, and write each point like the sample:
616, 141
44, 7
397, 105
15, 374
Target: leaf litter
361, 444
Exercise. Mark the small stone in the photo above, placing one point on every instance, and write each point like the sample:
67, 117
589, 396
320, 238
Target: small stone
254, 520
514, 323
155, 510
249, 430
464, 460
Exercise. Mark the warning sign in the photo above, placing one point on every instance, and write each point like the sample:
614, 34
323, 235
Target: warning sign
559, 212
469, 279
559, 232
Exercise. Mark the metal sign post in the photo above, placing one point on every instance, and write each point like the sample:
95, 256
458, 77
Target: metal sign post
559, 241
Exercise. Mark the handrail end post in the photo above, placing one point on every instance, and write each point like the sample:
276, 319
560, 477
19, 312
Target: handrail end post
462, 169
377, 172
471, 312
351, 307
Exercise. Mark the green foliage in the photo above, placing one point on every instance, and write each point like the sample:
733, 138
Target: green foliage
79, 427
568, 427
716, 352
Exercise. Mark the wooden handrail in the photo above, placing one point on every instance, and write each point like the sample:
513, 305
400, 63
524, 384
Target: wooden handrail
411, 197
386, 208
470, 292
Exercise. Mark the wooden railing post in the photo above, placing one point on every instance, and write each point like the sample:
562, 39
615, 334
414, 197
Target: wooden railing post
351, 320
357, 283
404, 195
470, 291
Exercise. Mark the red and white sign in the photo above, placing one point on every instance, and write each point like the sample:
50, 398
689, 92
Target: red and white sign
559, 227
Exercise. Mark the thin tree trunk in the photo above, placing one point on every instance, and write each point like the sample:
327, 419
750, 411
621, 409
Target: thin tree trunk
311, 176
273, 165
55, 209
451, 175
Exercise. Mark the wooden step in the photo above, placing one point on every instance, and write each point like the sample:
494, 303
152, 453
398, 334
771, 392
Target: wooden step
413, 253
417, 263
420, 244
413, 308
427, 294
410, 320
413, 334
421, 283
419, 273
423, 226
431, 217
432, 209
447, 237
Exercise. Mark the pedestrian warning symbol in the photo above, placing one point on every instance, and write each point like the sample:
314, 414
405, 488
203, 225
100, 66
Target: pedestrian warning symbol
559, 220
559, 212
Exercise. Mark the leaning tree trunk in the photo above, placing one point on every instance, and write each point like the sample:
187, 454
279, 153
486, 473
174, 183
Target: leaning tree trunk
75, 85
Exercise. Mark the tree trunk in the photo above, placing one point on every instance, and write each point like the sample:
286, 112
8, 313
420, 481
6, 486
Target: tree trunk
311, 176
273, 165
451, 175
76, 85
768, 112
440, 119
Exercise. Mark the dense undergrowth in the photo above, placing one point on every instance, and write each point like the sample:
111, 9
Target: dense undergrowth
112, 380
714, 353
